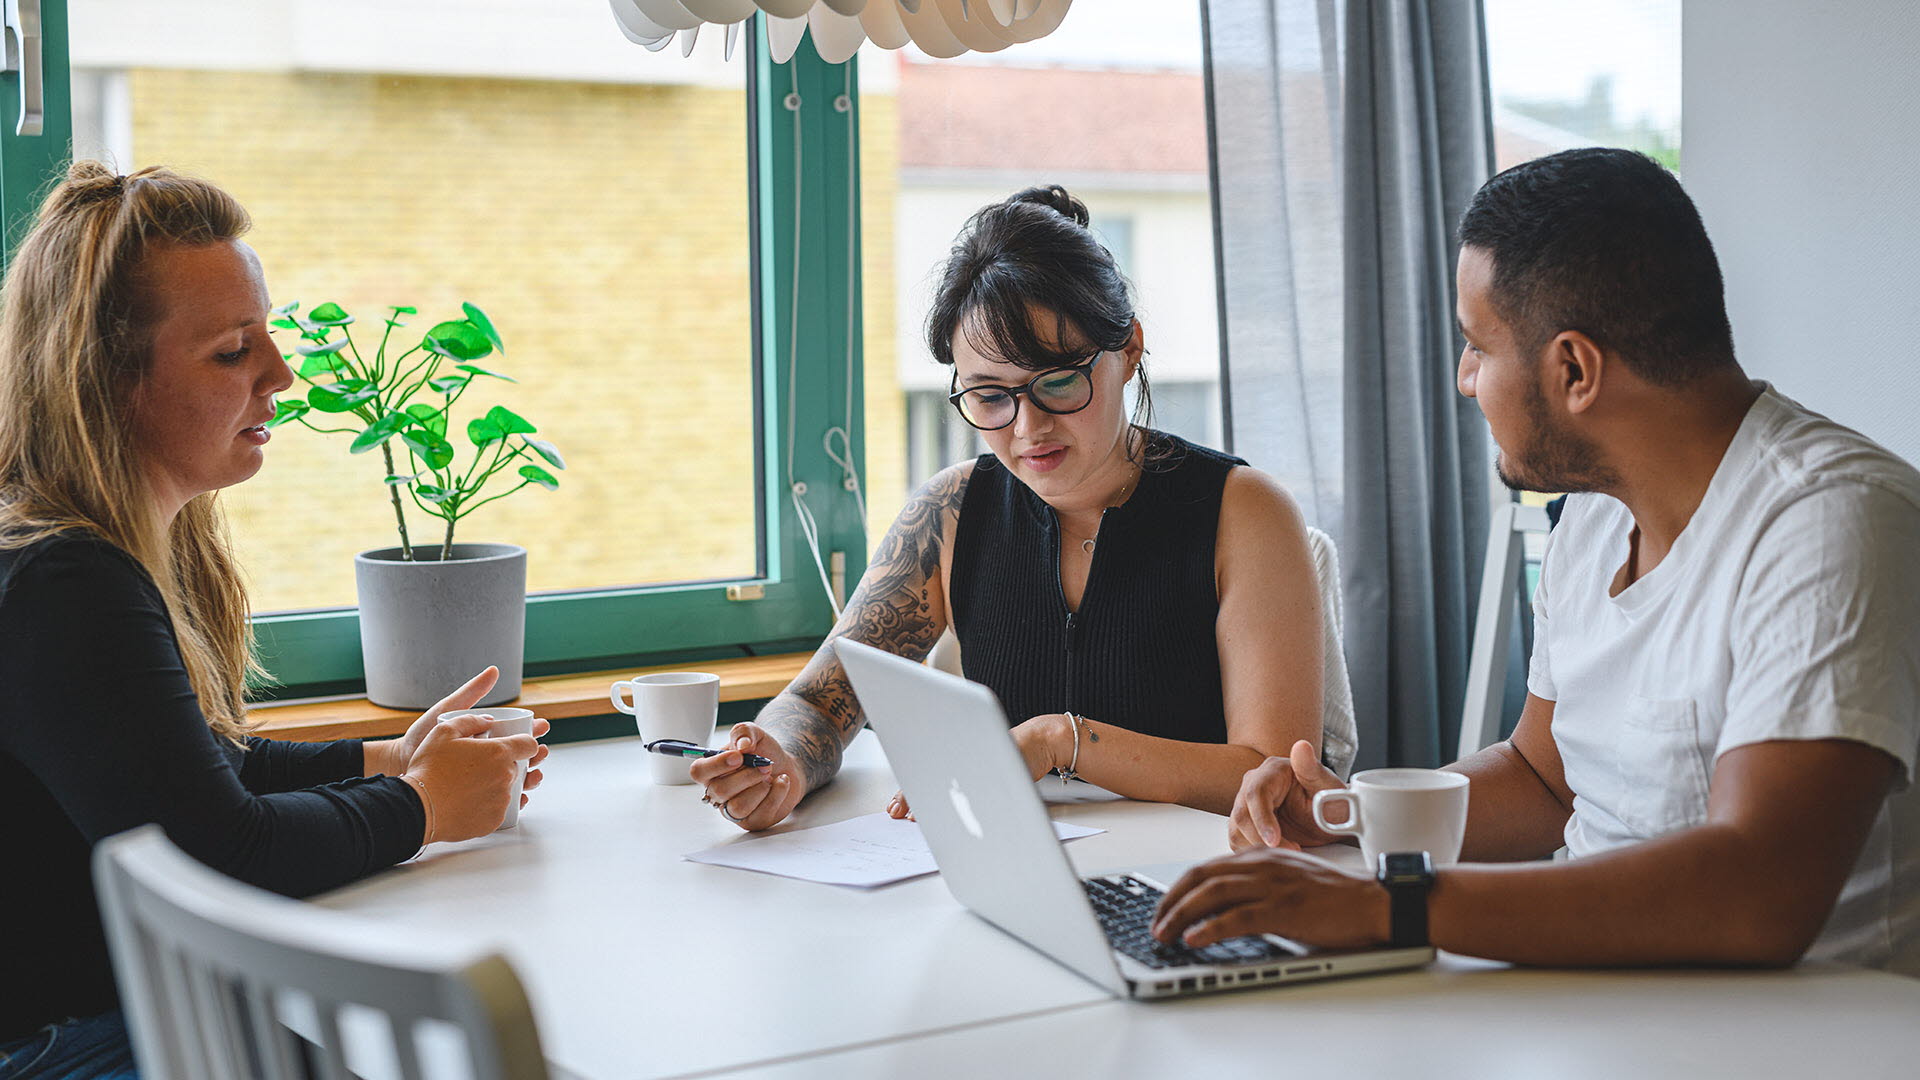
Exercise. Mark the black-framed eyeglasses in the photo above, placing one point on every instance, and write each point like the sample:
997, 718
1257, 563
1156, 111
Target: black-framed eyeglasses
1060, 391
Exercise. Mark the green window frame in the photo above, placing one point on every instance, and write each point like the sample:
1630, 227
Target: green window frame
310, 653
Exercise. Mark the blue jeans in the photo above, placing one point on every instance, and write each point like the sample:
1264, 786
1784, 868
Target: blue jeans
94, 1048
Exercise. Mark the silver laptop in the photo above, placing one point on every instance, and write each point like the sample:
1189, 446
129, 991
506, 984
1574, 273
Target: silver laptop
946, 739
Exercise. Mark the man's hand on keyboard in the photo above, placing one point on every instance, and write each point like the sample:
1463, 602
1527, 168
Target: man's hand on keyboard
1272, 891
1274, 807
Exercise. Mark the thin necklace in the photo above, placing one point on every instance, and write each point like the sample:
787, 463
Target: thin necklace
1087, 544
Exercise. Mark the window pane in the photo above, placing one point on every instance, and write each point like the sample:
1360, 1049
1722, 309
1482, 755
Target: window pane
1110, 106
1603, 73
590, 197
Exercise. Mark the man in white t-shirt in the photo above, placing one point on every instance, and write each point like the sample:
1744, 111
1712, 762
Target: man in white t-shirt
1723, 713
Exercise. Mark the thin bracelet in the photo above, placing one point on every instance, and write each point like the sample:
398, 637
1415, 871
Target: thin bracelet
1070, 773
426, 808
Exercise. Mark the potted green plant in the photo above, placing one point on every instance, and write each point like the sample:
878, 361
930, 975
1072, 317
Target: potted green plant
430, 615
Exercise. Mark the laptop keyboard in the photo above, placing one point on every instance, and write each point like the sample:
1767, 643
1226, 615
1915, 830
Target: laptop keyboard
1125, 906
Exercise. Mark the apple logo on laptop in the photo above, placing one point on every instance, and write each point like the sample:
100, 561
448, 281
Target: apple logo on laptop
964, 808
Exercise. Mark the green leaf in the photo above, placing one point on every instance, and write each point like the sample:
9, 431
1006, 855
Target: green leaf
433, 492
396, 481
321, 364
539, 476
284, 411
549, 451
458, 339
430, 418
484, 431
432, 449
343, 396
329, 314
479, 319
320, 350
287, 308
283, 324
478, 370
378, 432
447, 384
510, 422
404, 310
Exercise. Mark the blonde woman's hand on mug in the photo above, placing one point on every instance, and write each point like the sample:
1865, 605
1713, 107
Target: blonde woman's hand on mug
464, 778
751, 797
1274, 807
391, 756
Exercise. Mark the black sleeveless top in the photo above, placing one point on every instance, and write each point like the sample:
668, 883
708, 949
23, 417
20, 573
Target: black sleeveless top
1140, 653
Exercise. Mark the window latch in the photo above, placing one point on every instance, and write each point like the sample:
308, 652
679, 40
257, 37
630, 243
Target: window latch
23, 56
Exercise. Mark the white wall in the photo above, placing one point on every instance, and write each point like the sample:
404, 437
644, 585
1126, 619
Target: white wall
1798, 142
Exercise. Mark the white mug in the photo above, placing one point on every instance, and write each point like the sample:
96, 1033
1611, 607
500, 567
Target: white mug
682, 705
1395, 810
504, 722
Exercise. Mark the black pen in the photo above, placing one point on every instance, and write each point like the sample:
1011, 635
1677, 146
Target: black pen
680, 748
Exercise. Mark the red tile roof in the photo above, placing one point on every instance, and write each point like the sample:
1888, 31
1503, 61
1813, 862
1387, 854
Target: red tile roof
970, 116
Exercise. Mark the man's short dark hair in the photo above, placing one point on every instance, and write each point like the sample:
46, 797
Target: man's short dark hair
1607, 243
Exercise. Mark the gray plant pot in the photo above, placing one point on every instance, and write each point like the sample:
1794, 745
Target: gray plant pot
428, 626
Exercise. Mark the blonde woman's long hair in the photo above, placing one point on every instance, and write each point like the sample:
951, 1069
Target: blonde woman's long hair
75, 344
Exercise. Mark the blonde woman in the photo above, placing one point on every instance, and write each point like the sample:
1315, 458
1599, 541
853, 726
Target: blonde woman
135, 372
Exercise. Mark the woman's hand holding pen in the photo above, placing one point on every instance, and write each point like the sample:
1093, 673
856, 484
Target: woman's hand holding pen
751, 797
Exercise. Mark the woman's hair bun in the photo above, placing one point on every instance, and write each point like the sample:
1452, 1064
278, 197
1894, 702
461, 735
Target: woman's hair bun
1055, 198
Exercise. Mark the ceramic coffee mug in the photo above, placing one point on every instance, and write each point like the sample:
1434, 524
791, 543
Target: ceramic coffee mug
681, 705
505, 722
1394, 810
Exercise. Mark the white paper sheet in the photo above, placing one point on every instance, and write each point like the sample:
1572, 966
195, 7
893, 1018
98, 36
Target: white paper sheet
864, 852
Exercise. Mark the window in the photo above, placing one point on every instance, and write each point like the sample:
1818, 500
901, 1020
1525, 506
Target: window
1605, 73
1110, 106
601, 222
612, 210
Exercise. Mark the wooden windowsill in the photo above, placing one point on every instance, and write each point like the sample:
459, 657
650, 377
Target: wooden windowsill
555, 698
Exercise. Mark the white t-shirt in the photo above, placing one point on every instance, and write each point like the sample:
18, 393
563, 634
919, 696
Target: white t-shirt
1789, 608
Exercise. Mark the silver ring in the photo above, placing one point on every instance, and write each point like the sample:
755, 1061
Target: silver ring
726, 813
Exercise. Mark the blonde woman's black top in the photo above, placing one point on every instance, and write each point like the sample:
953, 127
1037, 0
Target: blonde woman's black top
1140, 652
100, 731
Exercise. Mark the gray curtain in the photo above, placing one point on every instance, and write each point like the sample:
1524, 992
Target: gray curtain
1347, 136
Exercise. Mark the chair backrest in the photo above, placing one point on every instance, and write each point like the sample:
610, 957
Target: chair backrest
1500, 582
212, 971
1339, 739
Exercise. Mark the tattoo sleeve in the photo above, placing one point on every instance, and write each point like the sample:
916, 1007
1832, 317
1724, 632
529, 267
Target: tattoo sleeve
817, 715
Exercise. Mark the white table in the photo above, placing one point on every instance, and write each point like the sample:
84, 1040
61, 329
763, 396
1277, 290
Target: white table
640, 964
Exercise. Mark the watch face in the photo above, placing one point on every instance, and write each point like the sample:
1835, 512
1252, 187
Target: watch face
1405, 866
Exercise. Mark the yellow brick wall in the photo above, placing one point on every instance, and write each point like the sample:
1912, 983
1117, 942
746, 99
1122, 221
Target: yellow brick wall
604, 230
886, 414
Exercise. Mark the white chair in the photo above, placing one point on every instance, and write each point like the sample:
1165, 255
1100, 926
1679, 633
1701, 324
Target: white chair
1339, 741
1493, 627
211, 971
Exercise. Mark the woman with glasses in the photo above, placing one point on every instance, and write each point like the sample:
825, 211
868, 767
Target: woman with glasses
1144, 607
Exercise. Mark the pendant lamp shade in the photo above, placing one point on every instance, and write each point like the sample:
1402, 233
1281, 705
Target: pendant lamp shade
939, 28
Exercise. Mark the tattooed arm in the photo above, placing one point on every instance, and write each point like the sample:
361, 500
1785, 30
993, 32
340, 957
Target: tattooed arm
900, 606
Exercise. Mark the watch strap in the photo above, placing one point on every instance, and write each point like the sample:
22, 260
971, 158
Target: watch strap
1408, 878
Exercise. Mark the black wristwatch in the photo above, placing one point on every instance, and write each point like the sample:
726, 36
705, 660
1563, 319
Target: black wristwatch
1408, 876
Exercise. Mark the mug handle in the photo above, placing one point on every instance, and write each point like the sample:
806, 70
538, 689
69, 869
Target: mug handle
621, 701
1350, 827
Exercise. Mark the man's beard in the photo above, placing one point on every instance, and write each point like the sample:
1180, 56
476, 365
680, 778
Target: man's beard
1553, 460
